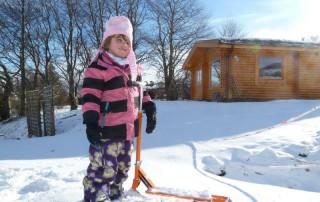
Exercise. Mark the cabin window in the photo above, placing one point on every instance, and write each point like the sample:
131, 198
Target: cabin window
215, 73
270, 67
199, 76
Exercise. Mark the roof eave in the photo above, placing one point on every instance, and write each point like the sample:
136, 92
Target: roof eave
199, 44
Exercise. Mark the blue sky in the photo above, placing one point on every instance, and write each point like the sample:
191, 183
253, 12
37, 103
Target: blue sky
276, 19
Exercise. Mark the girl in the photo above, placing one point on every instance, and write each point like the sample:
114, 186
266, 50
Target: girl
110, 112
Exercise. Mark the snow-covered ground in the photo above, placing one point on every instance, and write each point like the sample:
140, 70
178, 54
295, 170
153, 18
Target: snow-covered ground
268, 152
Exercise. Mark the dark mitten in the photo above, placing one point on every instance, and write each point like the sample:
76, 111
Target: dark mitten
93, 135
151, 112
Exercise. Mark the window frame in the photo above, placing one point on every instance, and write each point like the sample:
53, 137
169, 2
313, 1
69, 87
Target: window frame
272, 58
211, 75
199, 76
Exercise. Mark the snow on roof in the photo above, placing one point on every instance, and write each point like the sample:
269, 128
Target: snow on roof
269, 42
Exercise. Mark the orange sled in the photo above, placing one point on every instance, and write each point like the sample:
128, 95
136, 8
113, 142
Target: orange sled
140, 175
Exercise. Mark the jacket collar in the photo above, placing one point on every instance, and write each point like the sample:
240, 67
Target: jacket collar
109, 61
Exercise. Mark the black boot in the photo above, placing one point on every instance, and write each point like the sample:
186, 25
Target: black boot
116, 192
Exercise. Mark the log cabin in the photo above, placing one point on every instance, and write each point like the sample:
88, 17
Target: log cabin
253, 69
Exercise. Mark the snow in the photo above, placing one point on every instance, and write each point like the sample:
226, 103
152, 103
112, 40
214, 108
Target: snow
269, 151
270, 42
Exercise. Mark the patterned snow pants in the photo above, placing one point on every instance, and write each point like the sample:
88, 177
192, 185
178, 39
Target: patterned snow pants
108, 169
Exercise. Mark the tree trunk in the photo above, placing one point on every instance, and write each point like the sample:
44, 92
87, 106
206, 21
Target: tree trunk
6, 110
177, 27
5, 105
73, 101
22, 111
170, 91
72, 97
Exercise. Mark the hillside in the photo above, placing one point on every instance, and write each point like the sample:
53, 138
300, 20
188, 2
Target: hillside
269, 151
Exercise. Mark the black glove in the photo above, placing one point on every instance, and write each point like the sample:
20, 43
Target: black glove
94, 135
151, 112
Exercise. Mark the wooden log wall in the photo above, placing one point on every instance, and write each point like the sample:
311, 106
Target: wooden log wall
309, 75
244, 67
300, 74
205, 91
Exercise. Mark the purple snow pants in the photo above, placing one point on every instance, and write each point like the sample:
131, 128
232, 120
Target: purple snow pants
108, 169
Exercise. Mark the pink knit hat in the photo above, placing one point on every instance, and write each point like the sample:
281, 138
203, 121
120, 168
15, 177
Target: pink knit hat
122, 25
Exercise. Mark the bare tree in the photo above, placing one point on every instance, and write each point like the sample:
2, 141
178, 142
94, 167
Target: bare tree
312, 38
87, 42
116, 7
136, 11
34, 52
6, 84
65, 14
40, 43
94, 13
175, 25
15, 17
231, 29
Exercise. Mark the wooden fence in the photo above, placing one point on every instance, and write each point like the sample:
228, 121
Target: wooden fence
33, 113
48, 111
34, 104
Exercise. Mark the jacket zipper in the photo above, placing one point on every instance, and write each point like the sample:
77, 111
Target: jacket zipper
104, 114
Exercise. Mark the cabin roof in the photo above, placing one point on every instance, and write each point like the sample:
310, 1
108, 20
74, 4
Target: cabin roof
269, 42
249, 43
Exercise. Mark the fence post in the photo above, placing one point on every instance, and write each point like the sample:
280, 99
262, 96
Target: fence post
33, 113
48, 111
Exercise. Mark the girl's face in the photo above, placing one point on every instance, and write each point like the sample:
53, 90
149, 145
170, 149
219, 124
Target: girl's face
119, 46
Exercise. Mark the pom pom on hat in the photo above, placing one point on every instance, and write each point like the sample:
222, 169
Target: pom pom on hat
122, 25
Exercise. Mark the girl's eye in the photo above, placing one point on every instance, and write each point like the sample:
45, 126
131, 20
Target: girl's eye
121, 41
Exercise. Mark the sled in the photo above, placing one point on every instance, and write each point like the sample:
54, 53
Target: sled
141, 176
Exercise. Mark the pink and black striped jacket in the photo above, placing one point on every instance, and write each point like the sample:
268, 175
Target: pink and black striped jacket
109, 100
